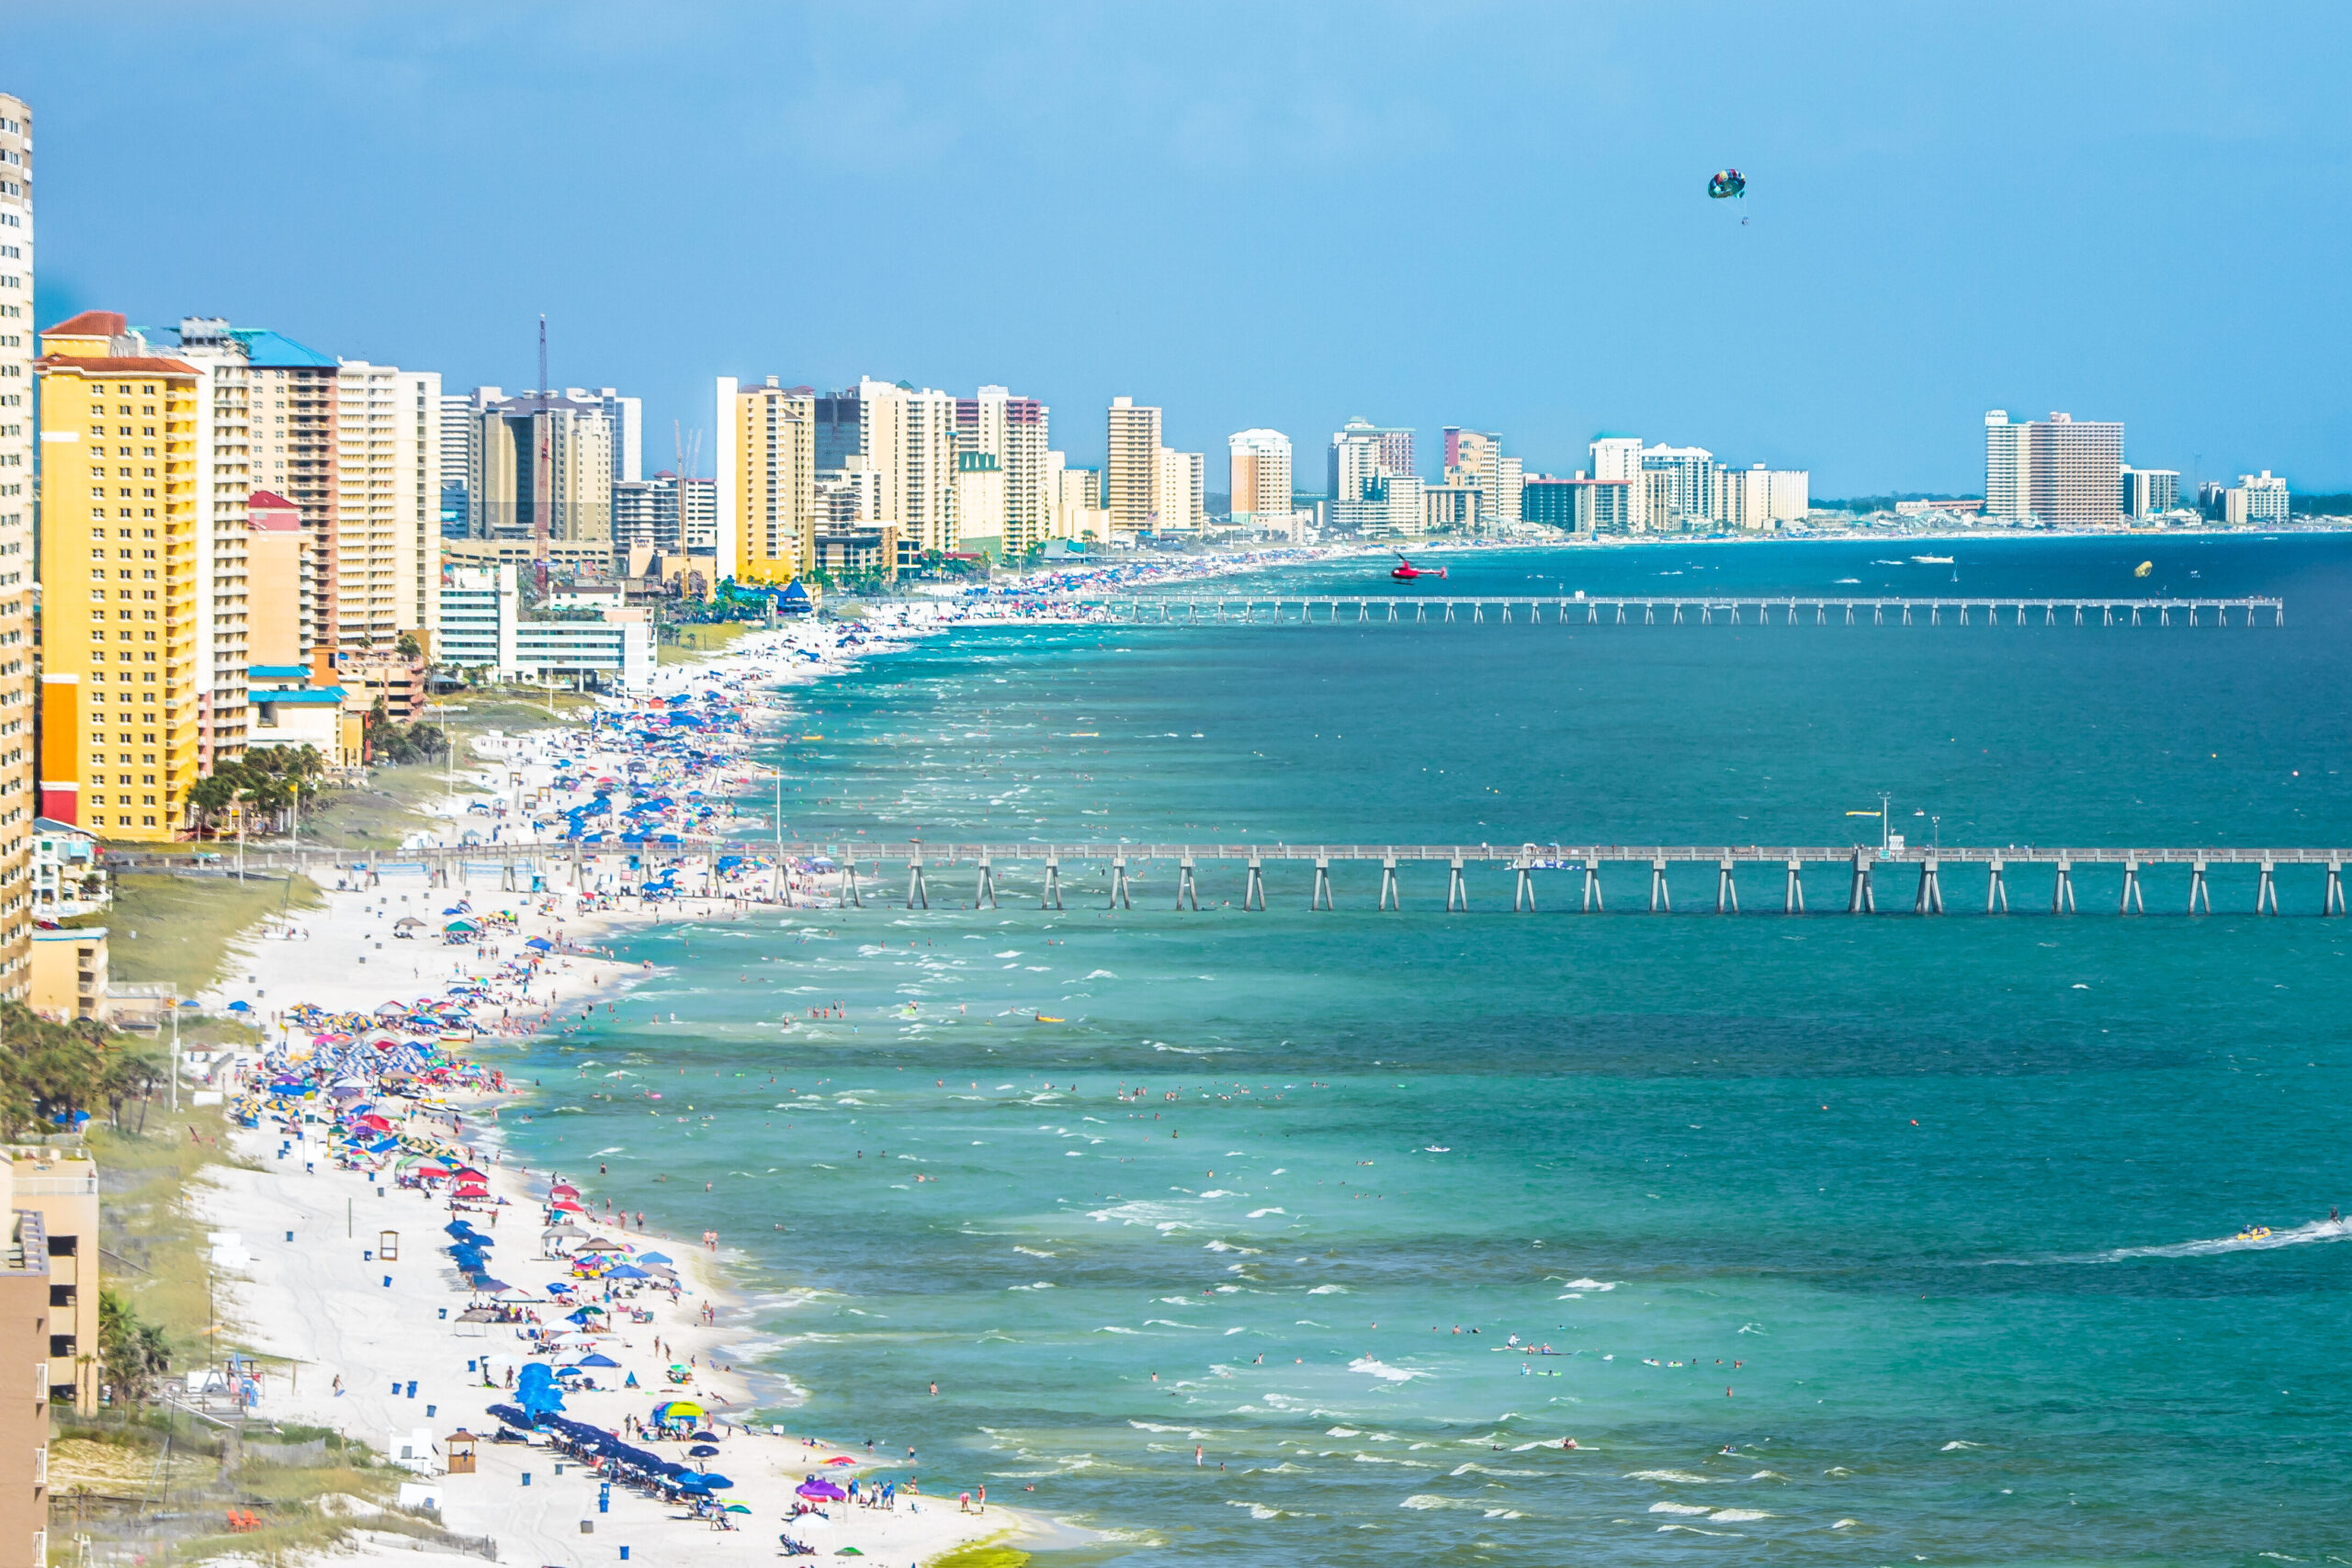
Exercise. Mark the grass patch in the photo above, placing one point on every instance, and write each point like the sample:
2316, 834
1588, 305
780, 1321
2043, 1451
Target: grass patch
508, 708
379, 814
156, 1251
685, 644
176, 931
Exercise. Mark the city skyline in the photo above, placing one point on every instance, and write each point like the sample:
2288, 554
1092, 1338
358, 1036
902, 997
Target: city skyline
1880, 295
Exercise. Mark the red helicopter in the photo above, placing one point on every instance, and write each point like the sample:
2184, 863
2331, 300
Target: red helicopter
1406, 571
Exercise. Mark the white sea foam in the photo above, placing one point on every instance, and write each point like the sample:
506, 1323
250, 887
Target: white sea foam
1738, 1516
1683, 1477
1261, 1214
1343, 1432
1474, 1467
1328, 1291
1431, 1500
1383, 1370
1959, 1443
1694, 1529
1033, 1252
1695, 1508
1260, 1511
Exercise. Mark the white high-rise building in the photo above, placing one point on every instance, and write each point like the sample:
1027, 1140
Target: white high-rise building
460, 430
2257, 499
1694, 483
388, 503
224, 482
1182, 484
1012, 431
19, 774
909, 436
1373, 487
1619, 459
1131, 469
625, 417
2062, 469
1260, 478
2150, 492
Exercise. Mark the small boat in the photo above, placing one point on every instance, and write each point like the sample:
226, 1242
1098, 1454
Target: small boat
1048, 1018
1933, 561
2256, 1232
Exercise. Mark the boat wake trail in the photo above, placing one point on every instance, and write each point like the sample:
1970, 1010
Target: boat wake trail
2264, 1241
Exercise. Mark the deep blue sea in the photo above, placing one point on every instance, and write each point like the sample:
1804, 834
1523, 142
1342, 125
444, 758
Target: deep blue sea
1863, 1240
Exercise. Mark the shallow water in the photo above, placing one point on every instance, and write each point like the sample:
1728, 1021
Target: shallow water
1926, 1220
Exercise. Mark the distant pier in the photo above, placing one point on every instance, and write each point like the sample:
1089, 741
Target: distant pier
1777, 609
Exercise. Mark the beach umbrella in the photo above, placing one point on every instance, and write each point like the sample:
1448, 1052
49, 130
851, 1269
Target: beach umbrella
652, 1257
737, 1508
602, 1244
841, 1459
563, 1190
717, 1482
241, 1006
701, 1450
627, 1272
847, 1551
690, 1482
826, 1489
676, 1409
598, 1360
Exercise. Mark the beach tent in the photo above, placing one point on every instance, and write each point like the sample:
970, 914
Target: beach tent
627, 1272
598, 1359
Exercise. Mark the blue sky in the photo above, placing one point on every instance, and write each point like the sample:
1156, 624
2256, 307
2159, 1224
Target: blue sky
1260, 214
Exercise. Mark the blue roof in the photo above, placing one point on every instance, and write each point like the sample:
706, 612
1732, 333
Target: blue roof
331, 696
277, 672
266, 347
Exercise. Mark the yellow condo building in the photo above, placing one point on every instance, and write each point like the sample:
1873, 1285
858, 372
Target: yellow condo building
767, 482
119, 673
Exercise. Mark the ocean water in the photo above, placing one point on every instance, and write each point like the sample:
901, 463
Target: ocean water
1868, 1239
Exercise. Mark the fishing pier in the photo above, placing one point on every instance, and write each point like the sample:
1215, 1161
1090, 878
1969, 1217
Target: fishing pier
1574, 878
1620, 610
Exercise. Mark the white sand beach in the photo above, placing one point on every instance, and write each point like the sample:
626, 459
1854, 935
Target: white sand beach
381, 1349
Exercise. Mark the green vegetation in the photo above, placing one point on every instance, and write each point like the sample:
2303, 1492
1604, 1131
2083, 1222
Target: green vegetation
134, 1353
165, 1487
52, 1073
981, 1554
268, 783
682, 644
155, 1256
393, 743
176, 931
376, 815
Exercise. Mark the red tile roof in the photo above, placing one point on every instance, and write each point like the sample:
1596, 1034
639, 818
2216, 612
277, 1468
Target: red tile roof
92, 323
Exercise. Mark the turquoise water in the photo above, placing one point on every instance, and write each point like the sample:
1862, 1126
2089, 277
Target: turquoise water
1932, 1214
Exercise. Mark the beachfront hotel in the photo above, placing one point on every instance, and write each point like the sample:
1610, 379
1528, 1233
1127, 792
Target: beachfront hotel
16, 591
119, 660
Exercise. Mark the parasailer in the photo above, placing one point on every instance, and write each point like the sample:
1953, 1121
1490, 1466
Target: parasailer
1406, 571
1727, 181
2144, 568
